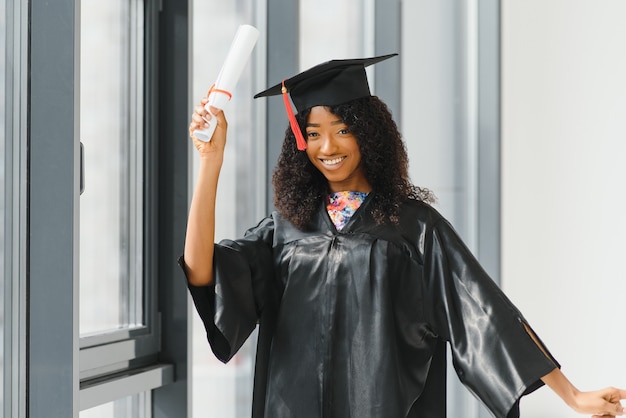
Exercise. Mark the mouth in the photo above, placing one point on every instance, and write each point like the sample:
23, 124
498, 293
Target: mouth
333, 161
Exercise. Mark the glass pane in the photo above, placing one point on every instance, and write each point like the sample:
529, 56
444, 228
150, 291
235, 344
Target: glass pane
341, 33
111, 75
136, 406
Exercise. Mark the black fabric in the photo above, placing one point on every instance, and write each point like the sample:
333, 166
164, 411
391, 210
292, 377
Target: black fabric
354, 323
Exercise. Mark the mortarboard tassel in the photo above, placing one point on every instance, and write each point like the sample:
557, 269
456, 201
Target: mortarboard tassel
292, 120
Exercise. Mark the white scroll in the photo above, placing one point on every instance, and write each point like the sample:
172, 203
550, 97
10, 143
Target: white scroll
221, 92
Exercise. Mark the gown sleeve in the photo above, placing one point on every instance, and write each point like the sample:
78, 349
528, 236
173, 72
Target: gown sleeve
492, 351
231, 306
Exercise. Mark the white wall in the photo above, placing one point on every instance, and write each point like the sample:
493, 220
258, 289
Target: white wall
564, 146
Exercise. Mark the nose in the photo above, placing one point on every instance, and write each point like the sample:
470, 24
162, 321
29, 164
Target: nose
328, 145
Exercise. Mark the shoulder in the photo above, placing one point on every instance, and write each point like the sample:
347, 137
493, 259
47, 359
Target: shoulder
420, 223
263, 231
417, 213
413, 229
430, 228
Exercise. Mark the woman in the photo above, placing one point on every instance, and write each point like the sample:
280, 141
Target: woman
357, 283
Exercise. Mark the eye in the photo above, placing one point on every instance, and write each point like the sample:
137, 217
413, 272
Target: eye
343, 131
312, 134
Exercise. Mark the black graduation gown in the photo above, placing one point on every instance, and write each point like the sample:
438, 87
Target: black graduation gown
353, 323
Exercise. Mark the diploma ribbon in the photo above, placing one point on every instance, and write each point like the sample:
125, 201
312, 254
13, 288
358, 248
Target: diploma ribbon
213, 89
300, 142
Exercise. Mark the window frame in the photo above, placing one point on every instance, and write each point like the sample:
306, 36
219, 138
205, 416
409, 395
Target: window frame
15, 200
117, 350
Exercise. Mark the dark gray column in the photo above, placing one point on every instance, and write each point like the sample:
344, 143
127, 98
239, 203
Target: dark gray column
282, 61
172, 155
53, 180
387, 76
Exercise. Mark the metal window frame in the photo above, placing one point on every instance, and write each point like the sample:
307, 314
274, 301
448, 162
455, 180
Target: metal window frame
15, 190
53, 183
132, 361
111, 351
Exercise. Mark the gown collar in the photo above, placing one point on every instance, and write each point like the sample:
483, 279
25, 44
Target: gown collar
354, 221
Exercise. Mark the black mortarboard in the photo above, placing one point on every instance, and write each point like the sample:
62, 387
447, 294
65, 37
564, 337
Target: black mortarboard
328, 84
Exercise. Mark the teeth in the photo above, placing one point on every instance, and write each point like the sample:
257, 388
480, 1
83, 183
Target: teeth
333, 161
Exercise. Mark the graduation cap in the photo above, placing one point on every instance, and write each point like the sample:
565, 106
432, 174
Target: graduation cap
328, 84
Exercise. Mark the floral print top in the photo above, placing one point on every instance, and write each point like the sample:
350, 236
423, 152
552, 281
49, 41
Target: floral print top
342, 205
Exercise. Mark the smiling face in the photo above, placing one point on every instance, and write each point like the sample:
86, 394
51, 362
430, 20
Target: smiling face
334, 151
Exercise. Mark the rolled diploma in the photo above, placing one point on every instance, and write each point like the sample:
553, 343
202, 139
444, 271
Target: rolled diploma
237, 57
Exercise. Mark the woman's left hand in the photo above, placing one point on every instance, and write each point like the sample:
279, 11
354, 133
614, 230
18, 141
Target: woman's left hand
600, 403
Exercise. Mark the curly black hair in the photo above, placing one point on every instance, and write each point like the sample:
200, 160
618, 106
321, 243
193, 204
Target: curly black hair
299, 186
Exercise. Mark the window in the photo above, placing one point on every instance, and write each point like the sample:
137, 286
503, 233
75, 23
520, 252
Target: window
111, 227
118, 321
345, 33
108, 359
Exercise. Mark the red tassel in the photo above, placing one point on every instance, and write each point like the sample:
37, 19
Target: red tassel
292, 120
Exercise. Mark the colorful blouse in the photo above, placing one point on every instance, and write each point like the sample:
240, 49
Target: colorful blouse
342, 205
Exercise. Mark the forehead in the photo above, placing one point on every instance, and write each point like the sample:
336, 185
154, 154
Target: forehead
319, 114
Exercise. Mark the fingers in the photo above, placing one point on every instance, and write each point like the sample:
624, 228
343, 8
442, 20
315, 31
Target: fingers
601, 403
612, 407
615, 395
610, 411
221, 119
199, 118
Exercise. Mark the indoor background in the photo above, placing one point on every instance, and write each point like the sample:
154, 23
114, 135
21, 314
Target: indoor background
514, 114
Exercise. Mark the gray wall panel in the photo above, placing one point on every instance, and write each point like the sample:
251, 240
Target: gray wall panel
53, 203
282, 62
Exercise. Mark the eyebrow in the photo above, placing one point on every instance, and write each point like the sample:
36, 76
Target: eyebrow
317, 125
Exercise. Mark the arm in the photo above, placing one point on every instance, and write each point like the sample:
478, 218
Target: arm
507, 357
605, 402
201, 221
